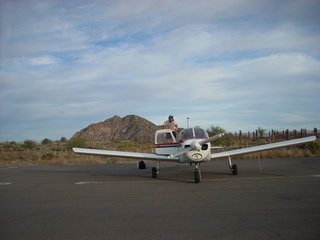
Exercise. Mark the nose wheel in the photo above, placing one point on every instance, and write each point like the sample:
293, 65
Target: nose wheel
197, 174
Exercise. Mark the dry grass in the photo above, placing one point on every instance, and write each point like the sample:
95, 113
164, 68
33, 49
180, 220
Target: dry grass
61, 153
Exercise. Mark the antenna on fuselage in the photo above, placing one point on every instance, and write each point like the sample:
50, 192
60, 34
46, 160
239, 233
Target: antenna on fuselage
188, 121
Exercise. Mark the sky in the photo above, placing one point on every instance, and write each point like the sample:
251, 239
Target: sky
229, 63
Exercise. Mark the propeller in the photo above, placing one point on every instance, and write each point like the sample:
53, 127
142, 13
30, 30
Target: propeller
196, 145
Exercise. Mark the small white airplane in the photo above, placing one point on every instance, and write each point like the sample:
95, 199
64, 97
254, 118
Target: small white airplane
192, 146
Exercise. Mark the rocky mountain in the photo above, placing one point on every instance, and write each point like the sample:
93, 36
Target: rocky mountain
130, 127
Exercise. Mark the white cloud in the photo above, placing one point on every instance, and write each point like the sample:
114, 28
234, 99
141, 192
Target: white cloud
45, 60
217, 62
33, 61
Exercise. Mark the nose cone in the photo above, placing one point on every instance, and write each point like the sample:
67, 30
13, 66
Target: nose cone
196, 146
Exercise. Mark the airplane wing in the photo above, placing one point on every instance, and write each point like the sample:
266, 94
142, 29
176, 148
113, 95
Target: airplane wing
260, 148
136, 155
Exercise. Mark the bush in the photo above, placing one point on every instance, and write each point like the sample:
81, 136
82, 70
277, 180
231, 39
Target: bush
117, 140
261, 131
46, 141
77, 142
12, 146
314, 147
226, 140
29, 144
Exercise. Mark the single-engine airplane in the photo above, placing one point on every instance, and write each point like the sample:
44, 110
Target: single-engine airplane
193, 146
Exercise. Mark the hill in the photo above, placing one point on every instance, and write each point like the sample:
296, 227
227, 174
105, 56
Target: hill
130, 127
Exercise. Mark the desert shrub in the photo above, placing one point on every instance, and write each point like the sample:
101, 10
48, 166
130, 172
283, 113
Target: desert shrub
9, 146
226, 140
314, 146
48, 155
261, 131
77, 142
29, 144
56, 148
46, 141
117, 141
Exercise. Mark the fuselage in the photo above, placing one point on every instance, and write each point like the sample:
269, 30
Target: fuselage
167, 144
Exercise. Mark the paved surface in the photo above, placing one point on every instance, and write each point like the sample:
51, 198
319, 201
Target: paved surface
117, 201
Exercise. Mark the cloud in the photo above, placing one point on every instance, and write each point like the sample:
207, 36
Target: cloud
234, 64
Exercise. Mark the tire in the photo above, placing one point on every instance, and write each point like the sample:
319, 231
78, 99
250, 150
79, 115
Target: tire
141, 165
197, 176
154, 172
234, 169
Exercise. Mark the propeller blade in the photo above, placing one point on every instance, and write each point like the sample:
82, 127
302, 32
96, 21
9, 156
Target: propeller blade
215, 137
182, 152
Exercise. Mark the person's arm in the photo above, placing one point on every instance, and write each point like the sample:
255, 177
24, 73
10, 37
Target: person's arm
176, 125
164, 125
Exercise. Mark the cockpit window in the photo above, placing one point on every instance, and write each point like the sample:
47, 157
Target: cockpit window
187, 133
200, 133
191, 133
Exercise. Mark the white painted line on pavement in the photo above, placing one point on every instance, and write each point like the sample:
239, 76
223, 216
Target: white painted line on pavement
5, 183
8, 168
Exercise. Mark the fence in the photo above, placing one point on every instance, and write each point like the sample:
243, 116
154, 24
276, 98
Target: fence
274, 134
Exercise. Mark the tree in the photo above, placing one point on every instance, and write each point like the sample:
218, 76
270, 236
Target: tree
214, 130
261, 131
227, 139
46, 141
29, 144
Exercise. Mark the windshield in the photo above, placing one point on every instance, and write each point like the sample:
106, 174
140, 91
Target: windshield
190, 133
200, 133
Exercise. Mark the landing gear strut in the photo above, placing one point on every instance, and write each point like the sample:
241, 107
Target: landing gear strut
197, 174
233, 167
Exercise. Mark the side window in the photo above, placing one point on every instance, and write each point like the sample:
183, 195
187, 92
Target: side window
165, 137
161, 138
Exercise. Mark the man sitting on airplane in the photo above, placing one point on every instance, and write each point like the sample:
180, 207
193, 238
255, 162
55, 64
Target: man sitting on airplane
170, 124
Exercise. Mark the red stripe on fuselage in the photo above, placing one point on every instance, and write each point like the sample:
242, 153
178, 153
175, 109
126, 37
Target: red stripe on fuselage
164, 145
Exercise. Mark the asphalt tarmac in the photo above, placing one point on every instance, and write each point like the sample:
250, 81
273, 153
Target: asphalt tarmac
268, 199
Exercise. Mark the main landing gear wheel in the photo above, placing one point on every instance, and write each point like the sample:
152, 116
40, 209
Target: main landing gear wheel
141, 165
234, 169
154, 172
